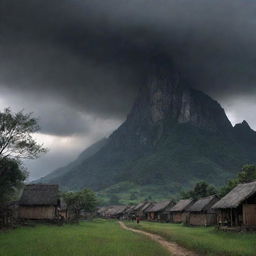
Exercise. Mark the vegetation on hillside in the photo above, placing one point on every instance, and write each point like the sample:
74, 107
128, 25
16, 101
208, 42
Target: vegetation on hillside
203, 189
132, 193
176, 156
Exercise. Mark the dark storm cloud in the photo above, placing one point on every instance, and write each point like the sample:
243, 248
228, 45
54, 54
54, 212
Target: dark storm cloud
93, 55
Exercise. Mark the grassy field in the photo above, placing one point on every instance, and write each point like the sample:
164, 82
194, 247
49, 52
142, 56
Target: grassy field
97, 238
205, 241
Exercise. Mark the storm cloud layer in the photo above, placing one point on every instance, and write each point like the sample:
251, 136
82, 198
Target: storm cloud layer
75, 62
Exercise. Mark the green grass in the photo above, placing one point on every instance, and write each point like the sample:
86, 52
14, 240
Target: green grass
97, 238
205, 241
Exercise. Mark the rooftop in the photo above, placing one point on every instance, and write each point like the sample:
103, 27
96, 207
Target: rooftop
236, 196
40, 194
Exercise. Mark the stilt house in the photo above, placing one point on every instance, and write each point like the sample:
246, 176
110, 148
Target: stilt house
201, 213
39, 202
238, 207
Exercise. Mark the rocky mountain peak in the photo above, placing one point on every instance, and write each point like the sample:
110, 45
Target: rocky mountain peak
245, 125
163, 97
244, 132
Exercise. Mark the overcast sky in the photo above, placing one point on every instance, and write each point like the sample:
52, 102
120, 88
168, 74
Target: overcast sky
77, 64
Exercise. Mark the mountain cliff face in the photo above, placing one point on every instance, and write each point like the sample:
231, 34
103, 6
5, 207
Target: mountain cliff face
173, 136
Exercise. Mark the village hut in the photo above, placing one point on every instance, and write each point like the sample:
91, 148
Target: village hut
142, 212
39, 202
201, 213
115, 211
177, 213
100, 211
138, 207
157, 212
129, 212
238, 207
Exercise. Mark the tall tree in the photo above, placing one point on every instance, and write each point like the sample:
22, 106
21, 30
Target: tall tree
247, 174
16, 140
201, 189
11, 179
16, 143
83, 200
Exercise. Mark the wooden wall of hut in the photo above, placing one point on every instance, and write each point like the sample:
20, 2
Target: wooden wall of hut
151, 216
249, 214
177, 217
37, 212
185, 217
202, 219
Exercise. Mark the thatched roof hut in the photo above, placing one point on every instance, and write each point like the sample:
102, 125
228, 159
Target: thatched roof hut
115, 211
140, 209
182, 205
160, 206
146, 206
177, 213
236, 196
139, 206
101, 210
201, 214
39, 201
158, 210
238, 207
130, 209
40, 194
203, 204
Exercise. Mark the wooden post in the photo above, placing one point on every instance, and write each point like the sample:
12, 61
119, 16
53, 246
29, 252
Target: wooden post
236, 218
231, 217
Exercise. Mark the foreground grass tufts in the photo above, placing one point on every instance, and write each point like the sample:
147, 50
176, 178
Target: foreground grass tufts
205, 241
97, 238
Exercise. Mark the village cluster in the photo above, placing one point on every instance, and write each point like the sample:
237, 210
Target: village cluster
235, 211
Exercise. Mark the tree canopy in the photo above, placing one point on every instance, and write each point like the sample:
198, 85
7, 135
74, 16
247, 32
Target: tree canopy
82, 200
10, 180
201, 189
16, 140
247, 174
16, 143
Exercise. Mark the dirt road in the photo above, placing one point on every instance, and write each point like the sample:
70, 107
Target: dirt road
172, 247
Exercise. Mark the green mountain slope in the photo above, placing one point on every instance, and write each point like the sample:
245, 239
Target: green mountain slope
87, 153
173, 137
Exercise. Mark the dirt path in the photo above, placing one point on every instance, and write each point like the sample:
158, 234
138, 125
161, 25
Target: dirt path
172, 247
